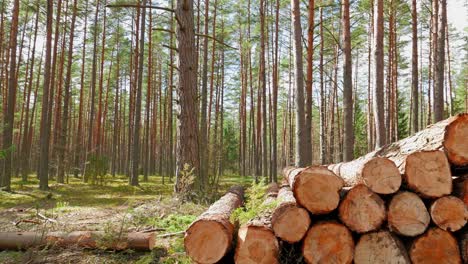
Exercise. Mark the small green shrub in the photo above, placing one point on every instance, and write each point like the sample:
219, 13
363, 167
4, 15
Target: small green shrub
255, 197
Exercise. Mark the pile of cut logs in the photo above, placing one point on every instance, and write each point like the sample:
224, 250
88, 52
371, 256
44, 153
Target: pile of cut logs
404, 203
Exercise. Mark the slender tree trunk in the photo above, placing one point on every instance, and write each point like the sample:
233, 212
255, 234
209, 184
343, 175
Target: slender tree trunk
414, 71
310, 64
299, 82
449, 73
263, 83
378, 97
440, 62
66, 100
204, 126
45, 128
187, 145
274, 122
323, 119
25, 149
10, 114
137, 121
348, 124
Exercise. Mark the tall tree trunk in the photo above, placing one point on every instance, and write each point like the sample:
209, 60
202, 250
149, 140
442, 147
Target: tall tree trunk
10, 114
25, 149
137, 121
310, 64
79, 131
380, 139
440, 62
323, 119
66, 100
263, 87
414, 71
187, 145
42, 172
204, 126
348, 124
274, 122
299, 82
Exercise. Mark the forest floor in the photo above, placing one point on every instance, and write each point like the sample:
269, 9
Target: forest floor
107, 207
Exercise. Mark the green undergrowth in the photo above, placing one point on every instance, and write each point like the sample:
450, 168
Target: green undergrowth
254, 206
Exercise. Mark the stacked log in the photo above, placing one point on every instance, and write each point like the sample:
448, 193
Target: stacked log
256, 241
403, 203
210, 237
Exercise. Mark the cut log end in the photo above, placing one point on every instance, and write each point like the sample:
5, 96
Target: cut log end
256, 245
328, 242
428, 173
407, 214
362, 210
380, 247
381, 175
207, 241
434, 247
455, 143
290, 223
317, 189
449, 213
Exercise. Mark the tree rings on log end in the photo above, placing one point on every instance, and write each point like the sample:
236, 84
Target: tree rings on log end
290, 223
317, 189
328, 242
455, 140
449, 213
207, 241
428, 173
256, 245
407, 214
381, 175
434, 247
362, 210
380, 247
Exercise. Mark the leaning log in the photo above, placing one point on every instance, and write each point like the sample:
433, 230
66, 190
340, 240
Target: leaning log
210, 237
449, 213
449, 135
328, 242
81, 239
290, 222
379, 174
435, 246
316, 188
256, 241
380, 247
407, 214
362, 210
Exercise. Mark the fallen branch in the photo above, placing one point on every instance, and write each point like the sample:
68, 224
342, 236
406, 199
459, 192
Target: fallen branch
180, 233
47, 218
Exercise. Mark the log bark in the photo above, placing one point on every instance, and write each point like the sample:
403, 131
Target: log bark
328, 242
448, 135
316, 188
380, 247
434, 247
378, 173
407, 214
449, 213
82, 239
256, 241
209, 238
428, 173
290, 222
362, 210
